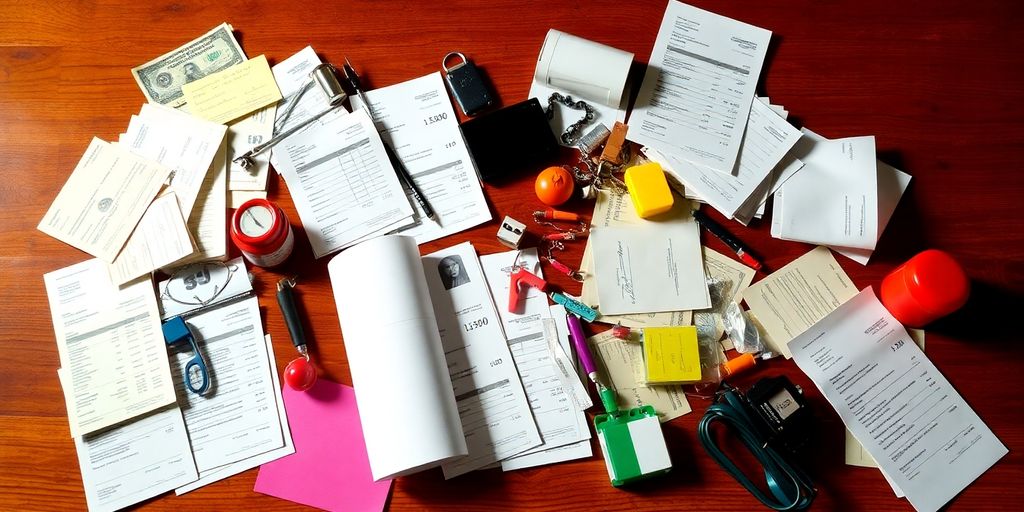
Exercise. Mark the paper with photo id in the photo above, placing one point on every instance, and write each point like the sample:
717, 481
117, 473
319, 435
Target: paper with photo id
911, 420
493, 405
651, 267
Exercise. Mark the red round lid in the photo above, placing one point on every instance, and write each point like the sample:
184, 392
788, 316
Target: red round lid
937, 282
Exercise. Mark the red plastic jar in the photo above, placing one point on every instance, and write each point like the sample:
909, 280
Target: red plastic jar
925, 288
262, 231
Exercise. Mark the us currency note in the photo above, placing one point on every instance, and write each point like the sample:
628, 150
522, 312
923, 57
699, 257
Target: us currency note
161, 78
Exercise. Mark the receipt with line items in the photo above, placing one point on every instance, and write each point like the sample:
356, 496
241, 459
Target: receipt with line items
343, 184
697, 91
767, 139
558, 419
135, 461
906, 414
110, 342
417, 118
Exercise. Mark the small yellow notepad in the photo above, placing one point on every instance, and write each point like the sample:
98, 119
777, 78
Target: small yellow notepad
234, 92
671, 355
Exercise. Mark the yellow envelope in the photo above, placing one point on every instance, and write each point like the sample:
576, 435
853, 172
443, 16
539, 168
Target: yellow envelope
234, 92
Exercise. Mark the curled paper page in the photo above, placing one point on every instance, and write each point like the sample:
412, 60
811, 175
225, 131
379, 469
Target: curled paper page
402, 387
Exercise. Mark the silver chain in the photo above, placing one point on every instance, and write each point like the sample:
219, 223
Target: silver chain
572, 133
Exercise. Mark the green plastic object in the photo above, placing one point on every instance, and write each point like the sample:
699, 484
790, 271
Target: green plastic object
633, 444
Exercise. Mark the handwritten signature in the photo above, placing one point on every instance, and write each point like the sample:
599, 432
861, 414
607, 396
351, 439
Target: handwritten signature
625, 274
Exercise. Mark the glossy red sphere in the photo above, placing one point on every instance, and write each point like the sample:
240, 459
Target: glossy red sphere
300, 374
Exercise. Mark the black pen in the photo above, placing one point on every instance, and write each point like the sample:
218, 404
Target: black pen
716, 229
403, 173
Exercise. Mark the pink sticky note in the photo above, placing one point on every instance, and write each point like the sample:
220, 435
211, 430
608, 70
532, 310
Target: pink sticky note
329, 469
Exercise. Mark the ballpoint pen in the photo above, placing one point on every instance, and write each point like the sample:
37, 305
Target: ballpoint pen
716, 229
587, 360
403, 173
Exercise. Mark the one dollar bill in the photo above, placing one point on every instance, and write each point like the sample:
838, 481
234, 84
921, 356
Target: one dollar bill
161, 78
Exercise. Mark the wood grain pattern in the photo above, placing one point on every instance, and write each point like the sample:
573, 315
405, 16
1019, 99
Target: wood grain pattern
938, 84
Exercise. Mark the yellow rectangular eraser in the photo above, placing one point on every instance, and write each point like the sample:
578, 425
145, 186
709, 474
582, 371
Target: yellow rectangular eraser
649, 189
671, 355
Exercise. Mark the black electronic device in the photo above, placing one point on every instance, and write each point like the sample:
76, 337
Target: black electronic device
510, 139
773, 421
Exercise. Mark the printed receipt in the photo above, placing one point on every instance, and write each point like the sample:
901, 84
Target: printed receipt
417, 117
696, 95
906, 414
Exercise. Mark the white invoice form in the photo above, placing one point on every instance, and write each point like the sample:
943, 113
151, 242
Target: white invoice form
906, 414
135, 461
768, 138
699, 85
238, 418
557, 418
222, 472
111, 345
342, 182
417, 118
492, 404
177, 140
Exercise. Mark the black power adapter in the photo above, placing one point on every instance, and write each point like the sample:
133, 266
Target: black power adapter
774, 422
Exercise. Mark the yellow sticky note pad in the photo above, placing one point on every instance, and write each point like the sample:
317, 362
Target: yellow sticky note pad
234, 92
649, 189
671, 355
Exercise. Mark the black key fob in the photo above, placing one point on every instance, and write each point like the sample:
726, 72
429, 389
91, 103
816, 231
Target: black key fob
467, 86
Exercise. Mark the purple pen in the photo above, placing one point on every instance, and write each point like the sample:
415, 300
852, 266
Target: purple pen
576, 333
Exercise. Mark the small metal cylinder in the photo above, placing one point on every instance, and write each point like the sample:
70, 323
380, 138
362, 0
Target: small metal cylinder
326, 79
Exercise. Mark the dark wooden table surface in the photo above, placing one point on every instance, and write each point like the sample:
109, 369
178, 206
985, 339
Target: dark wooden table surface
938, 83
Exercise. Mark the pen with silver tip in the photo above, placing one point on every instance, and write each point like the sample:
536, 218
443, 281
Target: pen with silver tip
403, 173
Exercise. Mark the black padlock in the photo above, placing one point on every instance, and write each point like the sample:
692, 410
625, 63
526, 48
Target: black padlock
467, 86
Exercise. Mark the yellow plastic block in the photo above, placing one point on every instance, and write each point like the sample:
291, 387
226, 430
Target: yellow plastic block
649, 189
671, 355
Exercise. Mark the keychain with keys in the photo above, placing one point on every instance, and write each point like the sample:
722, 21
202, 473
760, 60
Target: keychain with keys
466, 84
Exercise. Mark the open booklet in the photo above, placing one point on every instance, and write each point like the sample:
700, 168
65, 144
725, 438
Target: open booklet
434, 378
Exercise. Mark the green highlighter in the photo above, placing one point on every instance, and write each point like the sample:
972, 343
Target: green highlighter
631, 440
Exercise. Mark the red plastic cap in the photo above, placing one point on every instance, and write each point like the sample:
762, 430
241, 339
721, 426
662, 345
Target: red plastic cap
927, 287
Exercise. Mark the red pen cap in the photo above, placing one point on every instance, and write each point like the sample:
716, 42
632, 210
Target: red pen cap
925, 288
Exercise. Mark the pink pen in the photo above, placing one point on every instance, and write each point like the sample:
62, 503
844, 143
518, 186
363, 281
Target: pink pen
576, 333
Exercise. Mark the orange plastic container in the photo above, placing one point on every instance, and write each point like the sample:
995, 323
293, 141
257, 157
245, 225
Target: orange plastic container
927, 287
